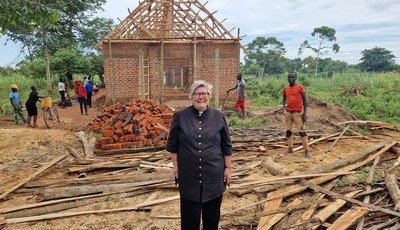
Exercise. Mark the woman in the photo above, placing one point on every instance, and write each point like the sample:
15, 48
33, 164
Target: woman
31, 106
201, 149
61, 90
81, 95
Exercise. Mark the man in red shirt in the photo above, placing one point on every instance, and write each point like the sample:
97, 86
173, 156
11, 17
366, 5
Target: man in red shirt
294, 101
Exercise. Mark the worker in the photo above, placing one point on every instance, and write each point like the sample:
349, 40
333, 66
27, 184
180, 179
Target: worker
16, 103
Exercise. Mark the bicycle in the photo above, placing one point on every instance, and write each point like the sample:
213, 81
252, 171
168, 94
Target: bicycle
50, 113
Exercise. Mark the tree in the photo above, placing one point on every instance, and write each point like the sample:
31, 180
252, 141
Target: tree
267, 53
44, 26
323, 35
377, 60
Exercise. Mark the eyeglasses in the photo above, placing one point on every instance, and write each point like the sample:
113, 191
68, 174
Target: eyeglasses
197, 95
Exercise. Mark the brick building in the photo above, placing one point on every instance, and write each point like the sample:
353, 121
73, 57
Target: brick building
163, 46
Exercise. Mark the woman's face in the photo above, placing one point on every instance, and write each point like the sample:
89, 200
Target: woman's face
200, 98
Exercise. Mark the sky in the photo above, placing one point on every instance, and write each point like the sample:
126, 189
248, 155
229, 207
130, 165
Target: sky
359, 24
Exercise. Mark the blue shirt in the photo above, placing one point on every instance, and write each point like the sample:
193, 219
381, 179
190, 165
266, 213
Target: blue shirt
15, 98
89, 87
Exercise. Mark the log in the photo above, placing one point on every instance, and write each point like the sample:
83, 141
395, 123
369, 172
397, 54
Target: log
351, 200
272, 180
349, 218
25, 180
71, 203
272, 167
379, 123
70, 214
394, 191
72, 191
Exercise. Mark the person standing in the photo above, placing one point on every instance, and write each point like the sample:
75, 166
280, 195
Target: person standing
89, 92
61, 90
81, 95
16, 103
295, 112
69, 77
241, 92
201, 149
31, 106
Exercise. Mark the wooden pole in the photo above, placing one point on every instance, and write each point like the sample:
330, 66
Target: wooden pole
141, 73
217, 72
111, 71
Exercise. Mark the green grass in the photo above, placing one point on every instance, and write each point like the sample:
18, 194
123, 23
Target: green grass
380, 99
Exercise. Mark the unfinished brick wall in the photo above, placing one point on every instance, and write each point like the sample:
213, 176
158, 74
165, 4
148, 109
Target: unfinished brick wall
125, 66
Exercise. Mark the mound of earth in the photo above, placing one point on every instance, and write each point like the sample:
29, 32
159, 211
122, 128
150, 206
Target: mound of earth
321, 116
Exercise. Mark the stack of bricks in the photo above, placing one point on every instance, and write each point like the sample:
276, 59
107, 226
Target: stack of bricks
140, 123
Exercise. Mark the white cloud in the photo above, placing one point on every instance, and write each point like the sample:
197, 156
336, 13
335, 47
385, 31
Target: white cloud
359, 24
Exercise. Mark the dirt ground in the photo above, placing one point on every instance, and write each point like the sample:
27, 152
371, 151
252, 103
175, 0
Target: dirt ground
23, 150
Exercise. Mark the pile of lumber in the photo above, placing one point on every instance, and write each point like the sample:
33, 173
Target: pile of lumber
139, 123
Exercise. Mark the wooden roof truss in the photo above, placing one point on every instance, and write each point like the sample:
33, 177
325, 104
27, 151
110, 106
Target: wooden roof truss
170, 19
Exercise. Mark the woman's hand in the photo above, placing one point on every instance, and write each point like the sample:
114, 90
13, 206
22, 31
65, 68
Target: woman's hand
227, 176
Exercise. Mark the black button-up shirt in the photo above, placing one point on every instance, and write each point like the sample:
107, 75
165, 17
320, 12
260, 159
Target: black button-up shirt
200, 140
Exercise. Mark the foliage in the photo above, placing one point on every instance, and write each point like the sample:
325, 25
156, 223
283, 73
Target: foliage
266, 55
377, 60
323, 34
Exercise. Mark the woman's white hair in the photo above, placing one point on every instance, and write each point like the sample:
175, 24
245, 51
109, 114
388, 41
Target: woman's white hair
200, 83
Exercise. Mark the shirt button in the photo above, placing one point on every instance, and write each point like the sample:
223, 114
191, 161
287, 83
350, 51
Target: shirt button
199, 135
200, 182
199, 151
200, 128
200, 159
199, 122
200, 143
199, 167
200, 174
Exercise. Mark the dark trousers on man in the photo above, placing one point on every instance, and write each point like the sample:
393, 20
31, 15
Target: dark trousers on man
209, 212
89, 99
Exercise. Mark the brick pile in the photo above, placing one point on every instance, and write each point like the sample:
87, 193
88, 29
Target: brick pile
139, 123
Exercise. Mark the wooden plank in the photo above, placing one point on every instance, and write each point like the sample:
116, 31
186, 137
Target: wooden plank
25, 180
337, 139
315, 141
287, 191
270, 205
274, 179
349, 218
277, 217
368, 181
351, 200
70, 214
307, 214
329, 210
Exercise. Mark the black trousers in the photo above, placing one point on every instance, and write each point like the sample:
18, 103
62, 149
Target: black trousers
209, 212
82, 103
89, 99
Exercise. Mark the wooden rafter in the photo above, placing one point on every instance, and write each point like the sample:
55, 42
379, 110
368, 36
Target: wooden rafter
179, 19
